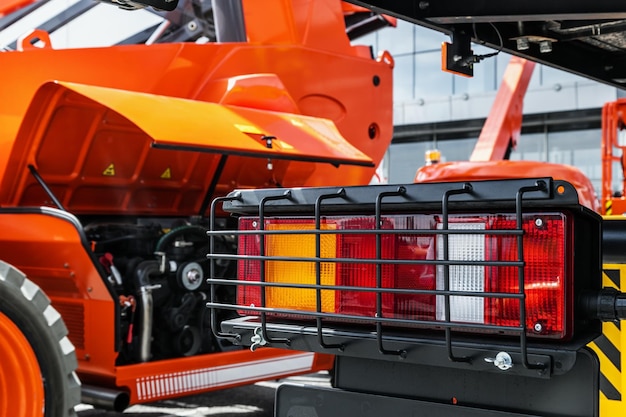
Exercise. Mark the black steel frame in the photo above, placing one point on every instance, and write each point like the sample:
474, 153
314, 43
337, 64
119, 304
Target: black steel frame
577, 48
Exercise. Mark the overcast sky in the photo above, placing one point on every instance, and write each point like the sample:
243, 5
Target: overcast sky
103, 25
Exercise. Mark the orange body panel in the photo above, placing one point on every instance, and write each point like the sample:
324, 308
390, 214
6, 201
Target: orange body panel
97, 161
9, 6
324, 78
59, 263
322, 95
187, 376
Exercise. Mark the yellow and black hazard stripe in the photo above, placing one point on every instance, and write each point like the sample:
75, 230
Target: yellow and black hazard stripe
608, 207
608, 346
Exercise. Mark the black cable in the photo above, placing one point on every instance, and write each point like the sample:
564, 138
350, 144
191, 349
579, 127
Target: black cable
478, 58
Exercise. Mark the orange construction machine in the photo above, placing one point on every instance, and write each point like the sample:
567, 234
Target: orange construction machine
110, 159
499, 136
613, 157
487, 288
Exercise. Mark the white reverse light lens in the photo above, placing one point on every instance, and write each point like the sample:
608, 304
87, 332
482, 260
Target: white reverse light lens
466, 278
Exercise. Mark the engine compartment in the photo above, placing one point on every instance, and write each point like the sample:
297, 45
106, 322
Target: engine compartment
157, 268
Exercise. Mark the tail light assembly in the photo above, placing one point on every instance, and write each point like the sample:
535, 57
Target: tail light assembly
412, 272
462, 263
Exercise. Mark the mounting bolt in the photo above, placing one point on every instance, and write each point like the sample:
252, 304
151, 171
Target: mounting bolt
539, 222
522, 44
193, 276
545, 47
423, 5
502, 361
538, 327
268, 141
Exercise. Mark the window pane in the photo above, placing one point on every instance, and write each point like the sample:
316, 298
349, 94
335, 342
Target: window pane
502, 63
531, 147
456, 150
581, 149
551, 76
430, 80
405, 159
403, 75
398, 40
370, 39
429, 40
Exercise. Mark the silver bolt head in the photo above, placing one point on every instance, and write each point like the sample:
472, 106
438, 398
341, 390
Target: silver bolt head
545, 47
522, 44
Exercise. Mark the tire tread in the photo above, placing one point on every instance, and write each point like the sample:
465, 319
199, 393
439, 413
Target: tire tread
15, 281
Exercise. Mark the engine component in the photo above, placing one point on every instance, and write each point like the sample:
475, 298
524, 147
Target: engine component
191, 276
159, 272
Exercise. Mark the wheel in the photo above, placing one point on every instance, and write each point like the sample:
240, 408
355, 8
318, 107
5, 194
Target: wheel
37, 360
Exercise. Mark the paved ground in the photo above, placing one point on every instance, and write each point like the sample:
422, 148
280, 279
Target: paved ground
250, 401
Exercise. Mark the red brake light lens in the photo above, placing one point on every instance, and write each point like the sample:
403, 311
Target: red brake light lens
400, 270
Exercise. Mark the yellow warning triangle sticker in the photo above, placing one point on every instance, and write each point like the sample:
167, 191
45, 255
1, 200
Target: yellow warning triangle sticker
167, 174
109, 171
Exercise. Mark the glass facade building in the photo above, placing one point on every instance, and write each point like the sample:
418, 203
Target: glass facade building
435, 109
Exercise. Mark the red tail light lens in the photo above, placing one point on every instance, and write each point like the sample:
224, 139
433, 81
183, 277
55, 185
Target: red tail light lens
400, 270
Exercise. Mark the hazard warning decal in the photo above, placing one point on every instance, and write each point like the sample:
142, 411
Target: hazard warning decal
109, 171
167, 174
608, 346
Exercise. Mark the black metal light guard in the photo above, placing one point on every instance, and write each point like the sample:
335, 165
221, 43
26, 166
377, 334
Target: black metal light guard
515, 196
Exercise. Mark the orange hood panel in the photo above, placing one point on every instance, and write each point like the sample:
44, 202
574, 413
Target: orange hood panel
109, 151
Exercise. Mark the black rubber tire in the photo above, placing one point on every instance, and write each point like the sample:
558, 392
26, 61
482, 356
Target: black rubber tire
29, 309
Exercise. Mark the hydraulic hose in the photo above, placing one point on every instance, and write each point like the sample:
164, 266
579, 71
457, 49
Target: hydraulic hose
170, 237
